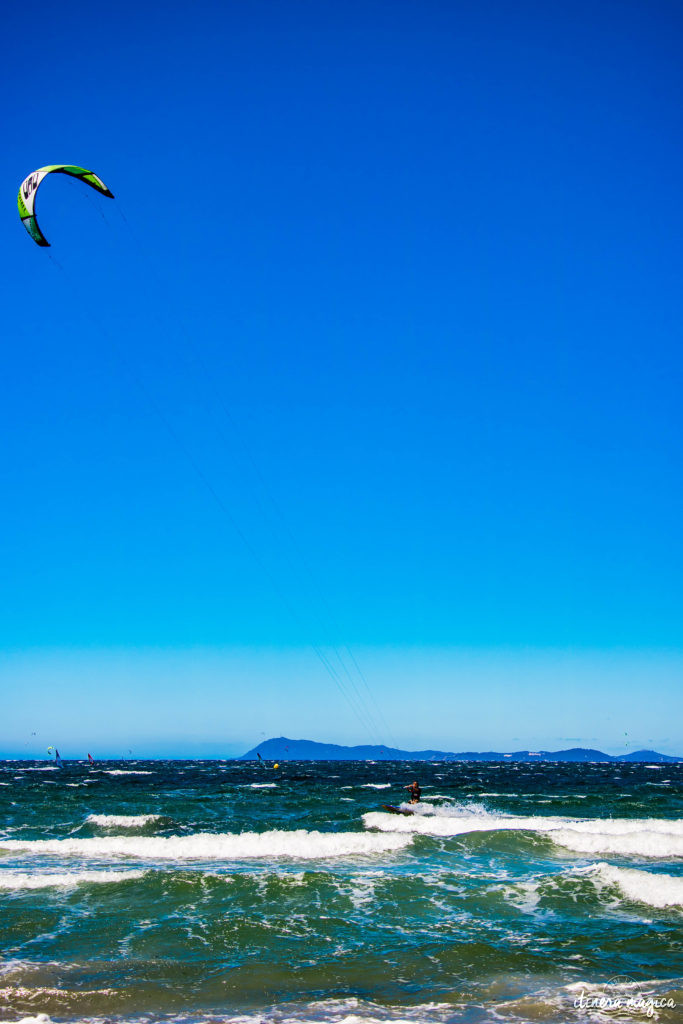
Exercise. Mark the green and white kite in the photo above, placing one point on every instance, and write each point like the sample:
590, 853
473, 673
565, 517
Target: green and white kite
26, 200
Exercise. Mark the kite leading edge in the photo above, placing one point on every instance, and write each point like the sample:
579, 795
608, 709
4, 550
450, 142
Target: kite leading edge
26, 199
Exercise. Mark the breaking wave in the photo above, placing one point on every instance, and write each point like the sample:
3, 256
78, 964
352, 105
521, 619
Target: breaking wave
657, 890
203, 846
645, 843
644, 837
122, 820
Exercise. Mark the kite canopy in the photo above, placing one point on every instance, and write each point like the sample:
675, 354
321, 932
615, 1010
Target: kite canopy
26, 199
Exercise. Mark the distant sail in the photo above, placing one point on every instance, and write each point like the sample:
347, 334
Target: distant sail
90, 759
58, 759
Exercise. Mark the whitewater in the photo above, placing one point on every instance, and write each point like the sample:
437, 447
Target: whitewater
191, 891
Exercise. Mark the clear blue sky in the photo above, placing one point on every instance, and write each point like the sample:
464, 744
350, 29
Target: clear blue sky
427, 258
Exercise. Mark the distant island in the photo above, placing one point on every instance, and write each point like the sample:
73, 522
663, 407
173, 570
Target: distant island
284, 749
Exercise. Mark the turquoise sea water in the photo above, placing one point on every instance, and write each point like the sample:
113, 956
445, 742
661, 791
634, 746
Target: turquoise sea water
192, 891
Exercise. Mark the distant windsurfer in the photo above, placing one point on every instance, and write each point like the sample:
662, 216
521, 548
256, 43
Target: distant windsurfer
415, 792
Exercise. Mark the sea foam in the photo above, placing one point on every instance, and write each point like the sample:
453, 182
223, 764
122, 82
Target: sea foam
203, 846
645, 837
645, 843
122, 820
329, 1011
40, 1018
15, 880
657, 890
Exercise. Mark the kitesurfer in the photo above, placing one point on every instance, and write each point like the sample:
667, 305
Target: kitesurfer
415, 792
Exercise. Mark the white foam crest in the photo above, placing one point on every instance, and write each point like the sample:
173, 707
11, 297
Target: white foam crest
444, 825
40, 1018
626, 826
350, 1011
643, 844
643, 837
376, 785
122, 820
263, 785
45, 768
299, 844
125, 771
450, 810
657, 890
16, 880
325, 1011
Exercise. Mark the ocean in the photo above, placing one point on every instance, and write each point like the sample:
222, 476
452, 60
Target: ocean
226, 891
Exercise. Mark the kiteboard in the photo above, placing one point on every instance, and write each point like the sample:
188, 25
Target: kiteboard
396, 810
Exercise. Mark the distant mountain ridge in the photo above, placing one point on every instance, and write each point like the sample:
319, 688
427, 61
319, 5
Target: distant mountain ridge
284, 749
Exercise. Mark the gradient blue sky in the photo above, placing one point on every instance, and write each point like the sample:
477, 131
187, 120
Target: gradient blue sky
378, 347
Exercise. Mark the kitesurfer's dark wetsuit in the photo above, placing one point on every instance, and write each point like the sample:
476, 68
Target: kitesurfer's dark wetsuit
415, 793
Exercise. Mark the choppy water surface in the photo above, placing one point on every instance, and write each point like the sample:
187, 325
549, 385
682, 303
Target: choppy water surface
194, 891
